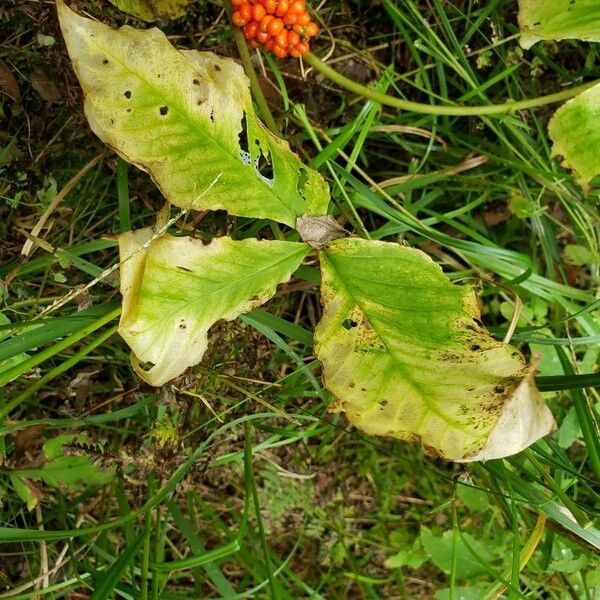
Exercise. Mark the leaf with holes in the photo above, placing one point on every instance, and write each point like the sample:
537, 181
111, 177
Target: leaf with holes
175, 289
186, 117
404, 353
575, 131
153, 10
558, 20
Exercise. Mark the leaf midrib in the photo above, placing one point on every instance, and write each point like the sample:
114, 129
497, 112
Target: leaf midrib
212, 139
418, 388
252, 275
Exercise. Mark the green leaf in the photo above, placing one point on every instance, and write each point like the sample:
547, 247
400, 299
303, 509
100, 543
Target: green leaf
26, 492
404, 353
462, 593
175, 289
407, 557
558, 20
440, 551
569, 566
153, 10
473, 498
575, 131
186, 117
580, 255
68, 470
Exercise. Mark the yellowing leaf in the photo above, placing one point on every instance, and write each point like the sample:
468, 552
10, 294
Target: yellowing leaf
175, 289
575, 131
152, 10
558, 20
187, 118
404, 353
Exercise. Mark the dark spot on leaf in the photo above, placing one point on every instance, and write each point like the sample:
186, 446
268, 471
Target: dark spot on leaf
217, 67
105, 61
164, 110
185, 269
182, 324
128, 110
499, 389
127, 94
475, 347
351, 385
349, 323
196, 82
212, 116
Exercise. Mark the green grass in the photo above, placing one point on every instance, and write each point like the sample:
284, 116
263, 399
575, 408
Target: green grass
235, 481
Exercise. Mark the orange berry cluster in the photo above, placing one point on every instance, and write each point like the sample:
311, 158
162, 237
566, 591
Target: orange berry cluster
282, 27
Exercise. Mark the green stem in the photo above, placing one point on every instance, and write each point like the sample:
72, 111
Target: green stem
441, 109
569, 503
257, 93
261, 528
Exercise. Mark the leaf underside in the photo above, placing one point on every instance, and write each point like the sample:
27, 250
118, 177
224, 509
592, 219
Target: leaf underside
558, 20
406, 356
153, 10
575, 131
175, 288
186, 117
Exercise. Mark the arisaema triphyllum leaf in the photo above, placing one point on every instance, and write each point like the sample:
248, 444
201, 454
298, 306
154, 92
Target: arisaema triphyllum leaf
558, 20
186, 117
175, 288
153, 10
575, 131
405, 354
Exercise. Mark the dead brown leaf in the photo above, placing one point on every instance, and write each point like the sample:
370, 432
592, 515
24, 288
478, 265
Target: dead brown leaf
45, 87
8, 83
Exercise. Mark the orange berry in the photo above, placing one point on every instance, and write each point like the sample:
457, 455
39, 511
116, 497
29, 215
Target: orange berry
297, 7
282, 8
281, 39
269, 44
264, 24
312, 29
275, 26
246, 12
303, 47
237, 19
258, 12
293, 38
295, 53
270, 6
237, 2
279, 52
254, 44
262, 37
290, 19
303, 18
250, 30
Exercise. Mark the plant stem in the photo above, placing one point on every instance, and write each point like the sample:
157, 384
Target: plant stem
441, 109
257, 93
569, 503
